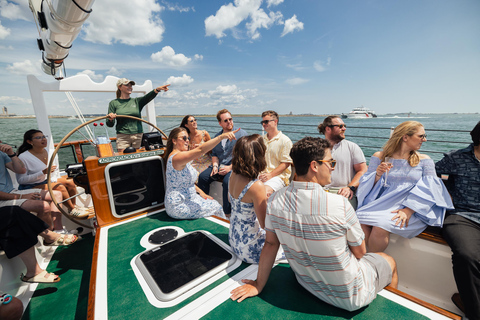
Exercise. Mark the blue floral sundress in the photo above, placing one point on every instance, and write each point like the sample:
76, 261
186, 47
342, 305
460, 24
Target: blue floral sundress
181, 198
246, 237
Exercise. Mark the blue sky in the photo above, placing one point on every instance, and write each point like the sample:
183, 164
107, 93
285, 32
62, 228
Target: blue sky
300, 56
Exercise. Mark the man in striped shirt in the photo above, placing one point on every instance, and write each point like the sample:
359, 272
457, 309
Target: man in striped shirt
321, 237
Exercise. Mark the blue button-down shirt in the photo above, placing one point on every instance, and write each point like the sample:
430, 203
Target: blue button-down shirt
224, 154
463, 183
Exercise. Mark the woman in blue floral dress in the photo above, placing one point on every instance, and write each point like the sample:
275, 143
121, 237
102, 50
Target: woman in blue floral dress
183, 199
248, 199
406, 201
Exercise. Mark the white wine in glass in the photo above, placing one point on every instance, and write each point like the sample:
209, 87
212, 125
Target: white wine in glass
388, 161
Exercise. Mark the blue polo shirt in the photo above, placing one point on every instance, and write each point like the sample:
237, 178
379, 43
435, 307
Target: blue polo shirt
6, 184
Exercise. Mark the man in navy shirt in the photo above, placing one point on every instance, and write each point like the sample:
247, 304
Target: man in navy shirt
221, 167
461, 228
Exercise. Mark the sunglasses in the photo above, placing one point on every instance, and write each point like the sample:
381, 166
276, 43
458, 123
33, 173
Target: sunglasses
185, 138
194, 120
332, 162
227, 120
423, 136
341, 126
265, 121
40, 137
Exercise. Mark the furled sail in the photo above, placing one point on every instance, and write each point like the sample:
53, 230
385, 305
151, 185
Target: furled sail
59, 22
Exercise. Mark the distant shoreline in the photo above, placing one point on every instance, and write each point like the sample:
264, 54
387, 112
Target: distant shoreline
237, 115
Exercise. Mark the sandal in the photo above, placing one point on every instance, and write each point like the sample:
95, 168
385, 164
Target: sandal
63, 240
42, 277
79, 213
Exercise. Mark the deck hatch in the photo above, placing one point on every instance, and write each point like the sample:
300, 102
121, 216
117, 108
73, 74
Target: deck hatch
173, 268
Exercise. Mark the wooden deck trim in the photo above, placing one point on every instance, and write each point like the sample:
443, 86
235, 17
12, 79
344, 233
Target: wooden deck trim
93, 278
425, 304
433, 234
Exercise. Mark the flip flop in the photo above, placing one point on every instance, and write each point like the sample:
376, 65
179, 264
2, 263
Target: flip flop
42, 277
63, 240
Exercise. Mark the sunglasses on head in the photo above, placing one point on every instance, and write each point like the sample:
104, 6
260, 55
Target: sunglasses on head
227, 120
265, 121
341, 126
332, 162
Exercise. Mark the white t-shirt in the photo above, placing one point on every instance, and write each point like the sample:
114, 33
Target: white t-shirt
347, 154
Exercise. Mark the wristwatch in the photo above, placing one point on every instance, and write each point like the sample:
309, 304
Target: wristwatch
353, 188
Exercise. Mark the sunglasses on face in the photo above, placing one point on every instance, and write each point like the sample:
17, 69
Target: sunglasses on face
423, 136
185, 138
194, 120
227, 120
332, 162
40, 137
341, 126
265, 121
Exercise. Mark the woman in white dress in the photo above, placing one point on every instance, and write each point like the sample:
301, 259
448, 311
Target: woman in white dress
33, 154
197, 137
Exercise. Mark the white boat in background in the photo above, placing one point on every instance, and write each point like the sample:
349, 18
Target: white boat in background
360, 113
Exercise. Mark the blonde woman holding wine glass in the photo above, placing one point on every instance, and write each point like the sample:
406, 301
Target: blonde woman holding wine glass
412, 199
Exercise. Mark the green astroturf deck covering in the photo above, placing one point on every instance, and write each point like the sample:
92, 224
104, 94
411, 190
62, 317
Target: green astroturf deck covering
284, 298
67, 299
126, 299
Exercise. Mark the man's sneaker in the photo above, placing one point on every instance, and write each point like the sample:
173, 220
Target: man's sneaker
65, 231
79, 213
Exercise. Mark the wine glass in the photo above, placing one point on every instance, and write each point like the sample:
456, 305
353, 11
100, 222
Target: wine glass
388, 160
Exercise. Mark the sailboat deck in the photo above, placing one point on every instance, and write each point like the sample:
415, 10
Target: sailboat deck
283, 297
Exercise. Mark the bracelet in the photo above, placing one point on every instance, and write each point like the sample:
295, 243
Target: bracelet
378, 175
12, 155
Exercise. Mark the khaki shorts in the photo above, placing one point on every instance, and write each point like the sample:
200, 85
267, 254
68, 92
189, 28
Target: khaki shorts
383, 271
17, 202
129, 140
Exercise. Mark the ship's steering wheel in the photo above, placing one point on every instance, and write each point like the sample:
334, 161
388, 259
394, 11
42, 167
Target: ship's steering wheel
54, 154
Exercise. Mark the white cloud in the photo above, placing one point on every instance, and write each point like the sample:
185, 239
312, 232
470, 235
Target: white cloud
176, 7
296, 81
14, 100
180, 81
168, 57
198, 57
273, 3
95, 77
15, 10
133, 22
291, 25
114, 72
4, 32
261, 20
24, 68
320, 66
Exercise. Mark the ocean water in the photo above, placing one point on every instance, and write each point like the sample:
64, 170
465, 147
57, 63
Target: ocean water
445, 131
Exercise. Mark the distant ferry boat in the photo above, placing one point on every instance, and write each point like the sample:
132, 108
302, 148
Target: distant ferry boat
360, 113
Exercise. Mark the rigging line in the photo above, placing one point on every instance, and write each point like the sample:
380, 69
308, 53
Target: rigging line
79, 113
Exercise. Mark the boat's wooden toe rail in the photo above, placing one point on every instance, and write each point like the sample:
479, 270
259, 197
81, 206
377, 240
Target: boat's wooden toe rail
433, 234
